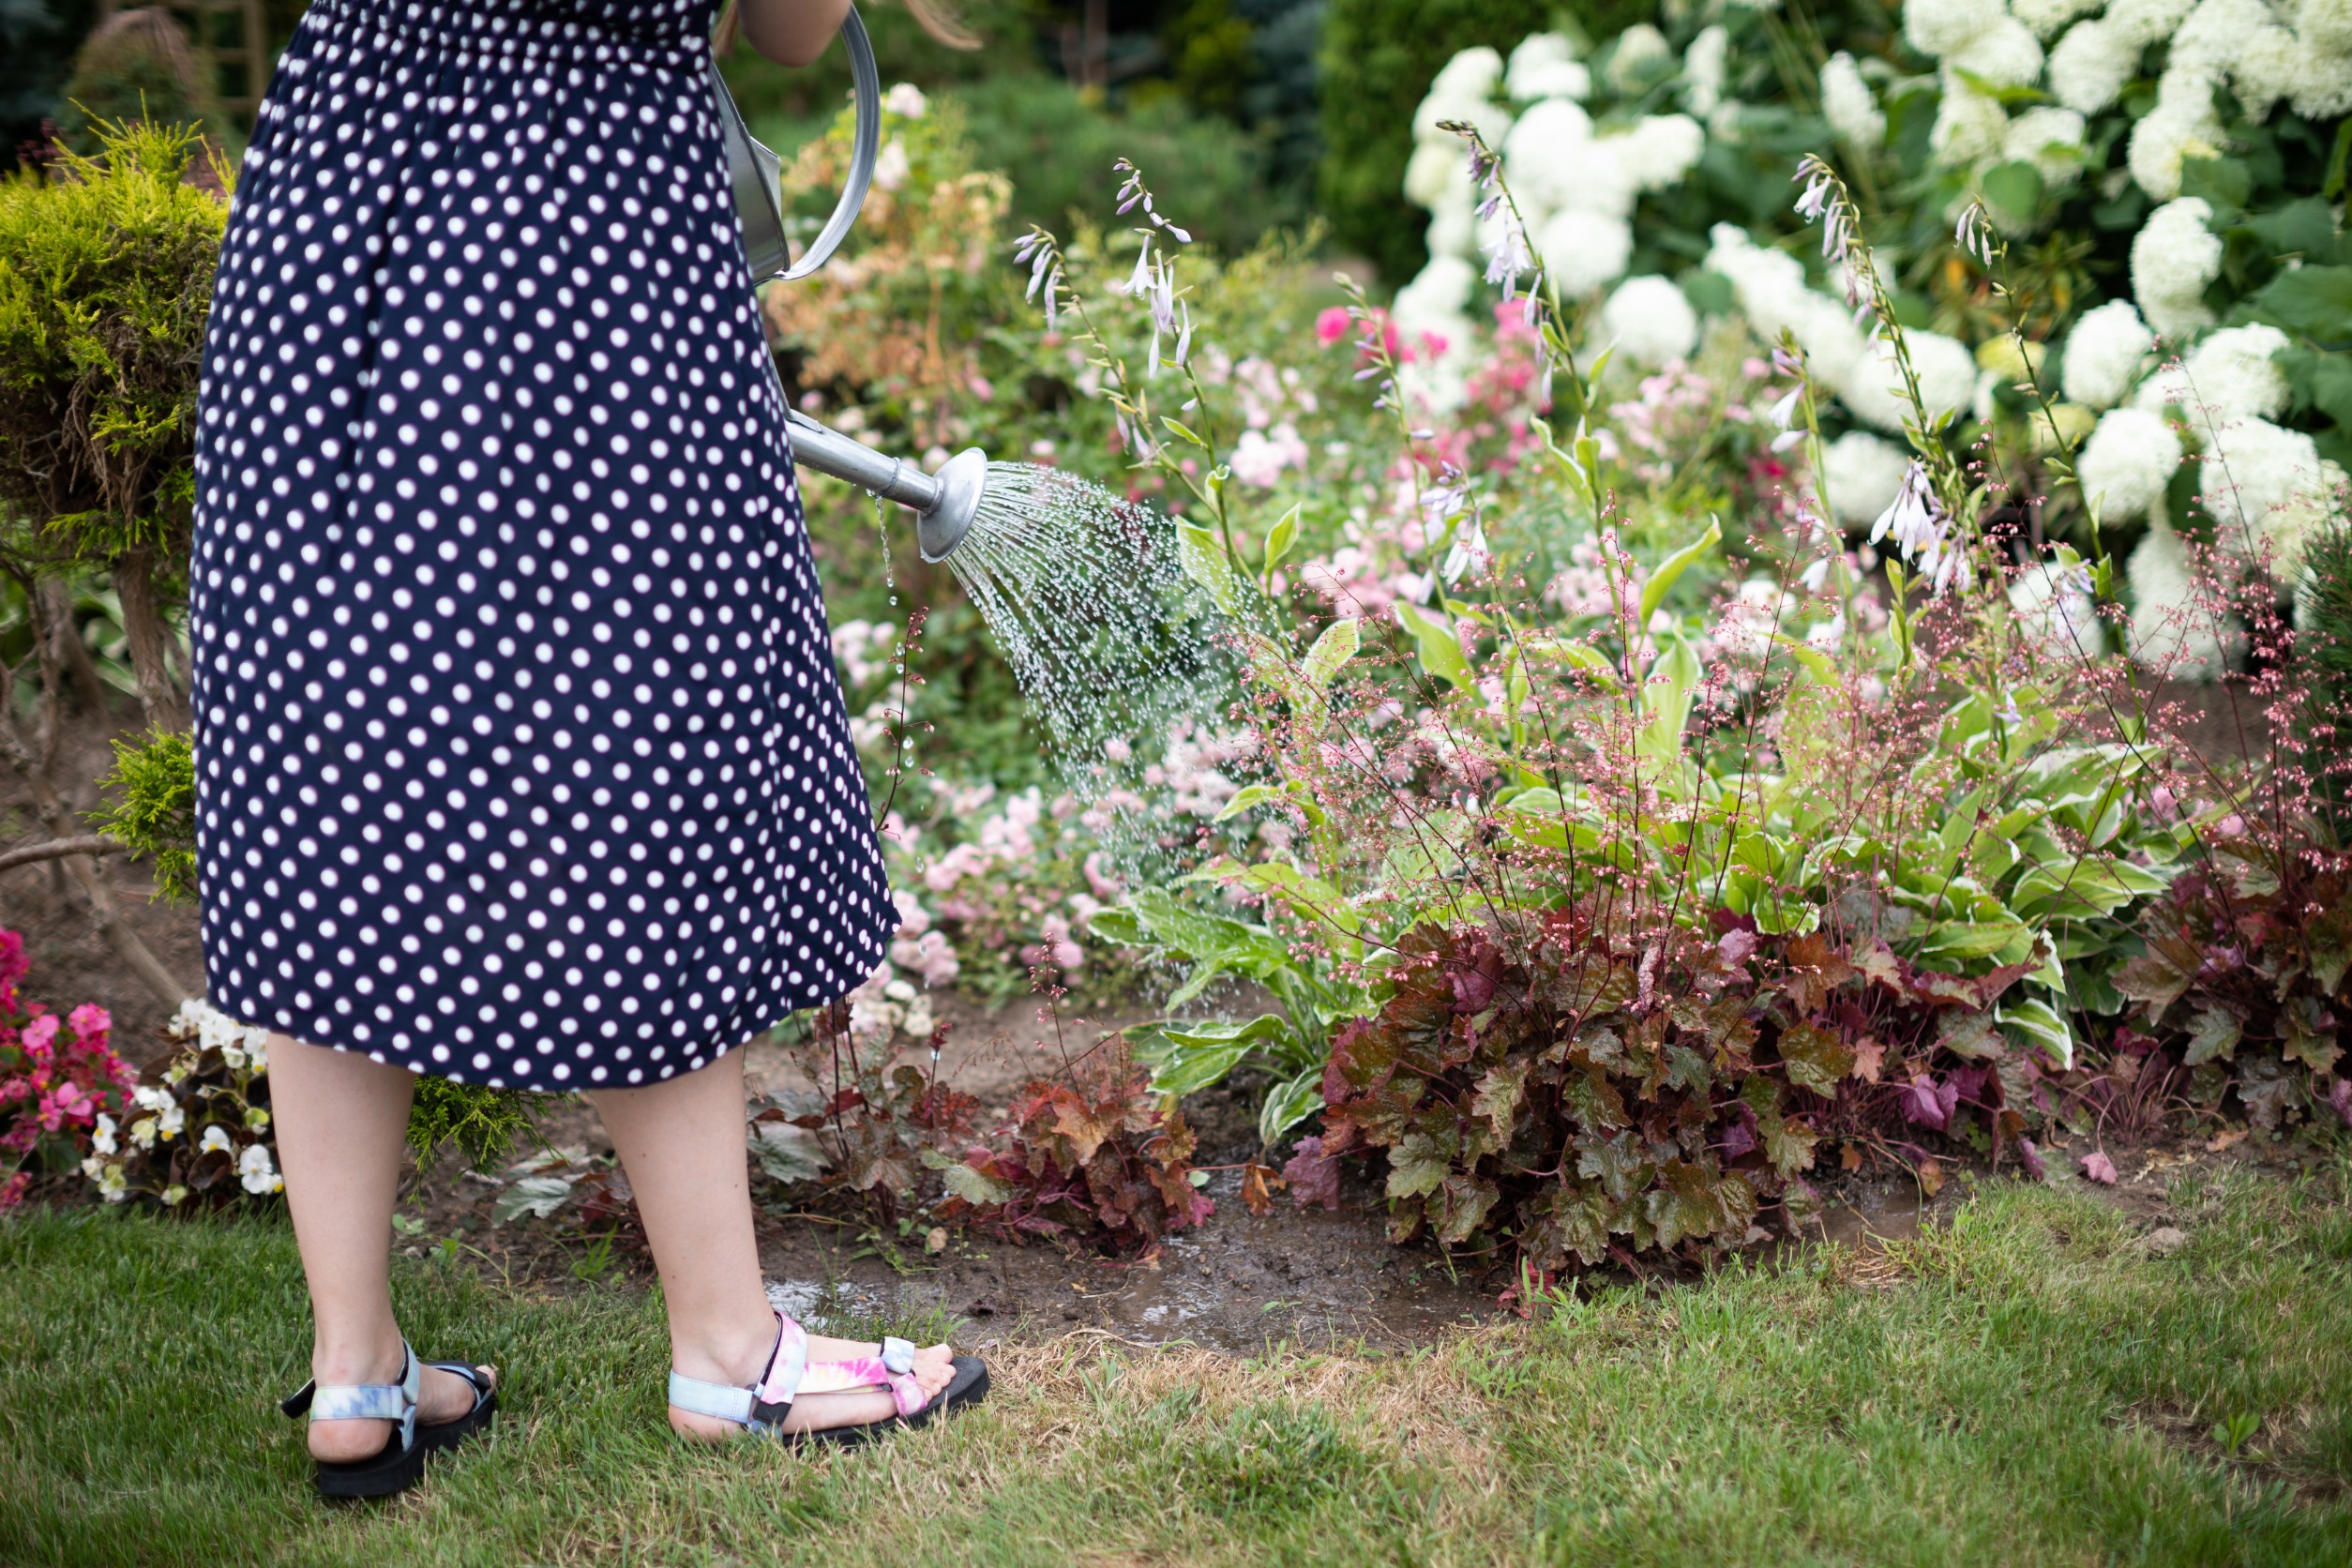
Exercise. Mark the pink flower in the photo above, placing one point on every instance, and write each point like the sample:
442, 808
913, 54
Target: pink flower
90, 1023
12, 1190
1330, 326
37, 1035
66, 1103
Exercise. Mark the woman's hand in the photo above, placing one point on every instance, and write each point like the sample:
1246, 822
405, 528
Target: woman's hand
792, 32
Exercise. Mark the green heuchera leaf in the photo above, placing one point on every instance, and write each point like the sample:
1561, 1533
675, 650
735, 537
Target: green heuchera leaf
976, 1187
1417, 1166
787, 1153
1815, 1058
2213, 1037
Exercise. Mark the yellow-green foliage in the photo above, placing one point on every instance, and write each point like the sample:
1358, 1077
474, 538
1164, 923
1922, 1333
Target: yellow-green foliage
153, 809
106, 269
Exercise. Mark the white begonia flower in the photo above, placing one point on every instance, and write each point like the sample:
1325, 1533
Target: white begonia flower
2056, 613
2049, 139
1651, 320
174, 1196
1545, 65
1659, 150
1947, 374
1703, 69
143, 1132
2090, 65
1640, 50
2250, 467
1969, 127
170, 1120
112, 1185
2233, 374
907, 101
2103, 353
1860, 475
1848, 104
255, 1173
1540, 156
1436, 170
1583, 250
215, 1137
2045, 17
2172, 633
1939, 27
2173, 258
102, 1135
2126, 462
2006, 54
2182, 125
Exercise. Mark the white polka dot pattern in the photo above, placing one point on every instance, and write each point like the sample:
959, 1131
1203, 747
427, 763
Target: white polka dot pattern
520, 755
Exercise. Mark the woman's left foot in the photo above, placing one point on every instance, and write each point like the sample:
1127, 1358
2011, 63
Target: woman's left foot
817, 1386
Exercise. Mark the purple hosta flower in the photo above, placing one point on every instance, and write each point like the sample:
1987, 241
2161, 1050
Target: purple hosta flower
1974, 233
1788, 359
1027, 244
1508, 253
1038, 269
1923, 532
1132, 191
1784, 414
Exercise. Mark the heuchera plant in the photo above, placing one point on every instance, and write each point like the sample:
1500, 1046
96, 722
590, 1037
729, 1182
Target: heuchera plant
63, 1090
1584, 1094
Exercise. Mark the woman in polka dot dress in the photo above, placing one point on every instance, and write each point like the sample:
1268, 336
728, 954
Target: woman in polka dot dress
520, 759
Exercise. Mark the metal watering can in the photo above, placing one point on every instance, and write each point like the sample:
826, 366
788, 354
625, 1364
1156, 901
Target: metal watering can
944, 502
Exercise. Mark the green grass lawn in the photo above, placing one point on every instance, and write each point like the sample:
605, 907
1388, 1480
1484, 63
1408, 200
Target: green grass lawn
2031, 1386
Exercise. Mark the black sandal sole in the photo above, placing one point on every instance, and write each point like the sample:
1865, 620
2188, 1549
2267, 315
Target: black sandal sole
969, 1388
392, 1471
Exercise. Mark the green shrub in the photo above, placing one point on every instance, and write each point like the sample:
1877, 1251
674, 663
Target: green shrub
156, 809
1379, 58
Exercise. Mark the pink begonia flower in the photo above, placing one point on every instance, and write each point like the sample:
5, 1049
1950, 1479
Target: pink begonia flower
1332, 324
90, 1023
18, 1087
37, 1035
913, 919
66, 1103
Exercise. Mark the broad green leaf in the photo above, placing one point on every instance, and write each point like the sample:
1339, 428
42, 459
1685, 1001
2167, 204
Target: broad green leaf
1332, 651
2311, 300
1289, 1103
2013, 188
787, 1153
1654, 590
1815, 1058
1441, 650
1955, 939
1416, 1165
2032, 1023
1816, 663
2216, 1035
1205, 561
1184, 432
1666, 697
1584, 655
1281, 537
975, 1187
1250, 796
535, 1196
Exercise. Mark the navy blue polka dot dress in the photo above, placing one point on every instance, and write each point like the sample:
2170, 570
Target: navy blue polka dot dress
520, 754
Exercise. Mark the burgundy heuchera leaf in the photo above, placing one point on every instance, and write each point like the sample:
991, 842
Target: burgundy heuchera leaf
1313, 1175
2098, 1168
2031, 1156
1928, 1103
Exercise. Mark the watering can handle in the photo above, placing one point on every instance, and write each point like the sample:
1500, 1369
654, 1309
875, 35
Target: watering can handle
755, 174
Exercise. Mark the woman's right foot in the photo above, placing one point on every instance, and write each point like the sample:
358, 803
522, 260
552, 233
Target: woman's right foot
440, 1396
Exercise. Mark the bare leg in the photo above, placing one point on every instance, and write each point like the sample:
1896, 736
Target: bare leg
340, 1120
681, 1141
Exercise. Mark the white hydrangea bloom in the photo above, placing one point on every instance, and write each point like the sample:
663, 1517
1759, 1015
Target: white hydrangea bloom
1939, 27
2288, 528
1651, 320
1848, 104
1453, 224
2103, 353
2208, 44
1659, 150
1541, 156
1770, 288
2056, 613
2173, 258
1545, 65
1861, 474
1439, 293
2251, 466
2006, 54
1583, 250
2182, 125
1470, 75
2045, 17
1703, 69
1970, 126
1435, 170
2141, 22
2269, 66
1946, 373
1640, 48
2323, 88
2172, 635
2126, 464
2091, 64
2325, 24
2233, 372
2049, 139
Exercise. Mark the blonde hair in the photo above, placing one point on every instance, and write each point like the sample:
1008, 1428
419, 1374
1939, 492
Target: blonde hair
933, 18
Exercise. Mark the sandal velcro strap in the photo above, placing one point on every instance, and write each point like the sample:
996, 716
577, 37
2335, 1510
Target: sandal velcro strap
365, 1401
764, 1405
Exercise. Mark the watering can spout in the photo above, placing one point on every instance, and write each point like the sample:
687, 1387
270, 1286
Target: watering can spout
943, 504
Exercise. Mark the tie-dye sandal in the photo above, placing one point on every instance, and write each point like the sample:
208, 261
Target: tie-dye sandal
402, 1460
764, 1405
